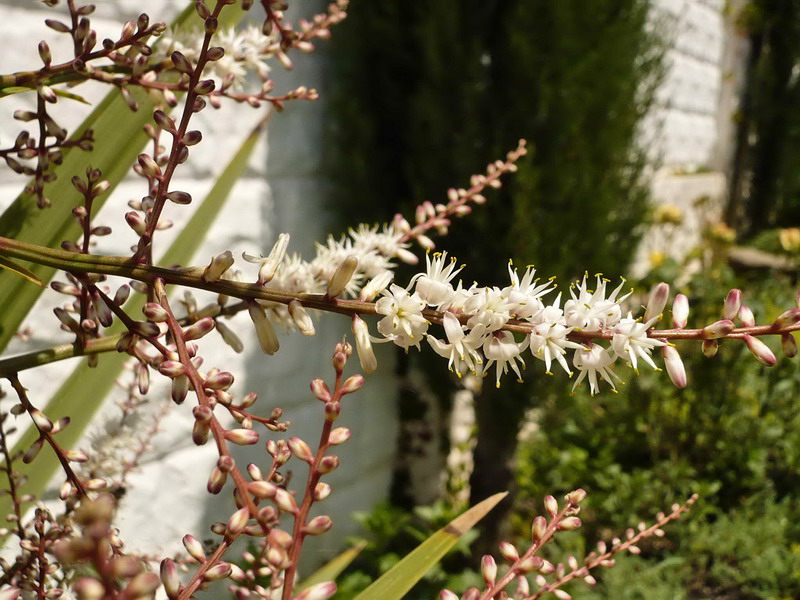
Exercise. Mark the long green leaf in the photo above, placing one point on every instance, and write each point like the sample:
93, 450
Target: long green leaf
333, 568
84, 391
398, 580
119, 138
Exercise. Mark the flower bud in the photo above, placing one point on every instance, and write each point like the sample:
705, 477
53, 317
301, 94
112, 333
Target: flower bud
339, 436
154, 312
364, 345
42, 422
217, 572
657, 302
241, 437
576, 496
333, 410
341, 277
787, 319
710, 348
229, 337
219, 381
674, 365
538, 528
262, 489
353, 384
328, 464
170, 578
551, 506
181, 63
760, 350
320, 591
149, 166
86, 588
719, 329
237, 522
264, 330
733, 301
302, 320
321, 491
568, 524
447, 595
509, 552
285, 501
789, 345
197, 330
320, 390
680, 311
562, 595
301, 450
194, 548
488, 569
179, 197
217, 479
318, 525
746, 317
171, 368
218, 265
375, 286
136, 222
180, 387
530, 564
206, 86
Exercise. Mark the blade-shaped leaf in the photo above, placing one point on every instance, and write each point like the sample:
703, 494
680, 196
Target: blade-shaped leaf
20, 271
333, 568
79, 401
398, 580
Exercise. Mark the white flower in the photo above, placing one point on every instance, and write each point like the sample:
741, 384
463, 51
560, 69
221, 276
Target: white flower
460, 348
501, 348
592, 310
549, 341
525, 294
489, 306
630, 340
593, 361
403, 323
434, 286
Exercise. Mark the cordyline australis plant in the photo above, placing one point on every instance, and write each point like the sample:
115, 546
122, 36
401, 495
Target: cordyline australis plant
476, 329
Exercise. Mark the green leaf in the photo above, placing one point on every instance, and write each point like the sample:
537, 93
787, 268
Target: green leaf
21, 271
84, 391
332, 569
398, 580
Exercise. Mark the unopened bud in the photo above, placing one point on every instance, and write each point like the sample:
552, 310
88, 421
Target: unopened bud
217, 572
333, 410
320, 389
680, 311
155, 312
551, 506
301, 450
719, 329
179, 197
302, 320
674, 365
366, 356
197, 330
262, 489
538, 528
237, 522
328, 464
710, 348
488, 569
789, 345
353, 384
530, 564
339, 436
733, 301
181, 63
787, 319
218, 265
285, 501
746, 317
170, 578
760, 350
342, 276
322, 491
576, 496
216, 481
136, 222
194, 548
509, 552
219, 381
180, 387
264, 330
318, 525
149, 166
320, 591
242, 437
375, 286
657, 302
569, 524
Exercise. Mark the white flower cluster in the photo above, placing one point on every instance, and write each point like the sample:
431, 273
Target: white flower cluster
474, 318
246, 50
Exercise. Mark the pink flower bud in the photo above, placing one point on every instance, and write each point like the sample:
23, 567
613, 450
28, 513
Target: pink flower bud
318, 525
657, 302
710, 348
77, 456
197, 330
320, 591
562, 595
217, 572
789, 345
509, 552
170, 578
179, 197
322, 491
285, 501
538, 527
86, 588
262, 489
342, 276
328, 464
136, 222
546, 568
181, 63
489, 569
680, 311
576, 496
760, 350
42, 422
339, 436
149, 166
569, 524
301, 450
733, 301
530, 564
219, 381
180, 387
447, 595
194, 548
226, 463
154, 312
333, 410
787, 319
237, 522
551, 506
746, 317
353, 384
33, 451
171, 368
674, 365
148, 330
216, 481
719, 329
320, 389
242, 437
